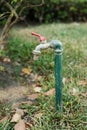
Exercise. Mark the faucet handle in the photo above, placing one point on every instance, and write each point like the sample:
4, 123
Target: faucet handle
41, 38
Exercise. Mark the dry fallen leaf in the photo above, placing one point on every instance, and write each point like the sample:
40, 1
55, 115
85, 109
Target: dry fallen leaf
20, 125
20, 111
6, 60
66, 80
33, 96
37, 77
84, 94
50, 92
37, 89
82, 82
74, 91
38, 115
28, 125
38, 84
17, 116
26, 71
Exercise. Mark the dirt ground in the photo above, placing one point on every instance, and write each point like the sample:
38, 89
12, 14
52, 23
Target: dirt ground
13, 87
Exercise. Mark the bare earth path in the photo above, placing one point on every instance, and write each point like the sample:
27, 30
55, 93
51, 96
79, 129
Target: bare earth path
11, 88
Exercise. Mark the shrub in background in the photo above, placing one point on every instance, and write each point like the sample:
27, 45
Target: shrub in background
59, 10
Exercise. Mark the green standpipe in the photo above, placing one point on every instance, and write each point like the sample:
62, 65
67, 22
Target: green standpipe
58, 80
57, 46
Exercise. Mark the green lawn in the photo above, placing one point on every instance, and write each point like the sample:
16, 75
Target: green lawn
74, 93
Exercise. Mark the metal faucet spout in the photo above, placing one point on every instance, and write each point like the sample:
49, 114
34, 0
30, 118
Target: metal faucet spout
40, 47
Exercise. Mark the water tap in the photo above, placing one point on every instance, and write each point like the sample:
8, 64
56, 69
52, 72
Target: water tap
55, 44
42, 45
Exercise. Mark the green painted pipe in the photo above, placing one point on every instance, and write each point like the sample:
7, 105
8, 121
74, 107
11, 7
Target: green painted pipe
58, 80
58, 72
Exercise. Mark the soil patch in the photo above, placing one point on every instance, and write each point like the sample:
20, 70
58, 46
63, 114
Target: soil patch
13, 86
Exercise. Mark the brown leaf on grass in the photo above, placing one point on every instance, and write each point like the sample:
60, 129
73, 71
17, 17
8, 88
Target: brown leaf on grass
33, 96
38, 84
20, 125
66, 80
37, 89
6, 60
74, 91
37, 77
84, 94
17, 116
82, 82
28, 125
50, 92
38, 115
26, 71
3, 119
20, 111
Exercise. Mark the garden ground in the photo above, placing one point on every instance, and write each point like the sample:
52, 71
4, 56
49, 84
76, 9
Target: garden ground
21, 77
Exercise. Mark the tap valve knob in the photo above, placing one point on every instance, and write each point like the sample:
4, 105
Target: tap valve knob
41, 38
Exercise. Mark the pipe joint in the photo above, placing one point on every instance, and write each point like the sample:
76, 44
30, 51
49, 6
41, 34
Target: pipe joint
56, 45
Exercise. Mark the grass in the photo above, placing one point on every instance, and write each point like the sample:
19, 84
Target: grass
74, 39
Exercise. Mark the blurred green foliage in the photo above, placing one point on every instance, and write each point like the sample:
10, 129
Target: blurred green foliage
60, 10
16, 8
53, 11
